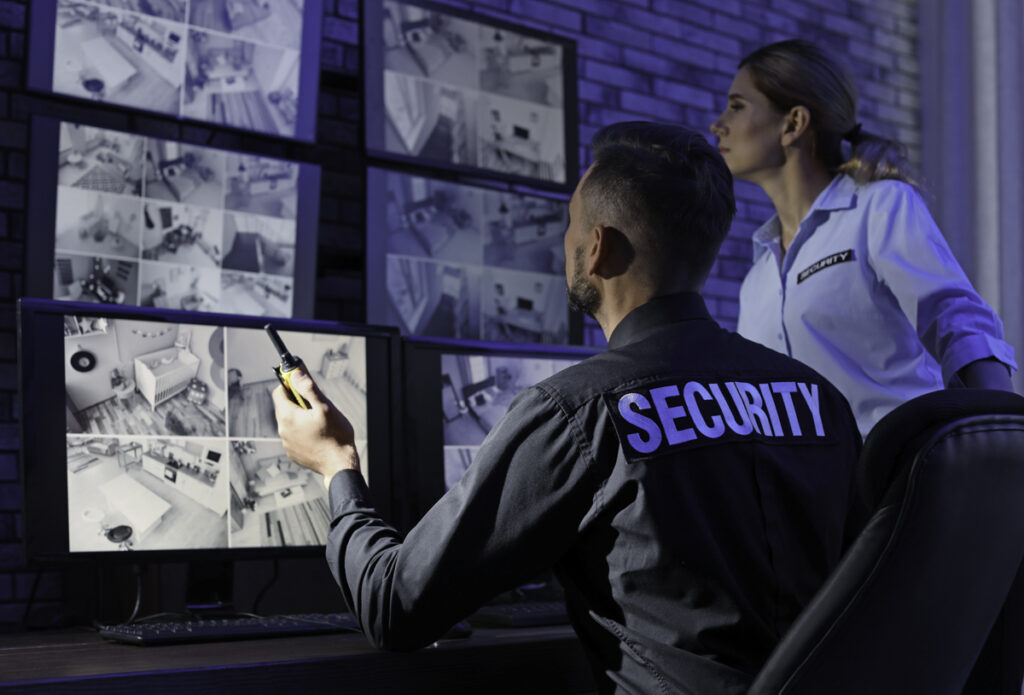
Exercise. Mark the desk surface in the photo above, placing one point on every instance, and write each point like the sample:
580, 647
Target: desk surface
534, 660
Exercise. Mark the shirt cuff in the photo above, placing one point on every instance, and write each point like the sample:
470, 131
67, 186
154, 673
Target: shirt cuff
348, 490
976, 347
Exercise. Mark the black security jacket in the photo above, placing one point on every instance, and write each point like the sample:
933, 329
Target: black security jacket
690, 488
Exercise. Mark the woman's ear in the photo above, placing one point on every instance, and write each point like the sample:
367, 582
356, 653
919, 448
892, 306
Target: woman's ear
796, 122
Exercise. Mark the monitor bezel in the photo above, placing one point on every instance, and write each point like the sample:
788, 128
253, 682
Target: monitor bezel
44, 489
40, 251
41, 28
372, 96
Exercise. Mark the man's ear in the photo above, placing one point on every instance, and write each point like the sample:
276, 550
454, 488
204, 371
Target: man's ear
609, 252
796, 122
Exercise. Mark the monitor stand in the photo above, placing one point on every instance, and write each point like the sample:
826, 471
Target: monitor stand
209, 588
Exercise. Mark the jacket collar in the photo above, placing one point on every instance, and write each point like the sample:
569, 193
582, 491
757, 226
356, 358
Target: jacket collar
669, 308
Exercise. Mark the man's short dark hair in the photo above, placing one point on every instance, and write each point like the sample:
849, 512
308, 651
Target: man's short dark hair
665, 187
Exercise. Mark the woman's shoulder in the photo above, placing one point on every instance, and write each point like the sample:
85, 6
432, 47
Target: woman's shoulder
887, 191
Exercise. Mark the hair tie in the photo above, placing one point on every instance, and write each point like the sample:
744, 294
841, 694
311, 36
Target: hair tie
852, 134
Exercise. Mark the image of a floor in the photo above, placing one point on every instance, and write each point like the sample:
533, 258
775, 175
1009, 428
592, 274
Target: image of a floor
99, 521
261, 295
132, 414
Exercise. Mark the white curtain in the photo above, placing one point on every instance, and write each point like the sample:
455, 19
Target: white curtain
972, 116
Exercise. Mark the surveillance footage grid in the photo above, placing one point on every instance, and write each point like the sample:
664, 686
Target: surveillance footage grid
171, 437
455, 261
470, 94
233, 62
150, 222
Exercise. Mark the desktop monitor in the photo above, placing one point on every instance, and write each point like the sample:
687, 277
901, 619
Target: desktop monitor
450, 260
469, 93
248, 64
454, 393
167, 444
123, 218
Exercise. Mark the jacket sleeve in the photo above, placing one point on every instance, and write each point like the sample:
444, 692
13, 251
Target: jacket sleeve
911, 257
514, 513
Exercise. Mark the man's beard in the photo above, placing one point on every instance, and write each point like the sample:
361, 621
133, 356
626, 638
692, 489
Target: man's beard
582, 295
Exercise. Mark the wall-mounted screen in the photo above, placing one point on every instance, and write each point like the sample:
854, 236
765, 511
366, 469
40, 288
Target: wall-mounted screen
250, 64
456, 261
121, 218
168, 440
454, 394
475, 94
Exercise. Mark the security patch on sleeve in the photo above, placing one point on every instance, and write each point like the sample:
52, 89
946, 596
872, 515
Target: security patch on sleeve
656, 419
826, 262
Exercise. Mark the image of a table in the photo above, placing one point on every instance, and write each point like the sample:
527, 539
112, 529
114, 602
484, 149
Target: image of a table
142, 507
107, 63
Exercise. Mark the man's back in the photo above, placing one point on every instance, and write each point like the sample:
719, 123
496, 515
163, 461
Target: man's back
727, 480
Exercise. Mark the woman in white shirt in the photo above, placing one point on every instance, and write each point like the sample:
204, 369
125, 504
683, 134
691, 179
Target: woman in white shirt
851, 276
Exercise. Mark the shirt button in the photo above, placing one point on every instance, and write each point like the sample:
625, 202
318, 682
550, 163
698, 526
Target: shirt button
780, 293
780, 336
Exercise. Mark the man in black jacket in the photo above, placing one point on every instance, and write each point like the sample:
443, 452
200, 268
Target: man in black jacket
691, 489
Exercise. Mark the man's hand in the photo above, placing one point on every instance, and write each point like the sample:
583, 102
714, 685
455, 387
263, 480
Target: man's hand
321, 438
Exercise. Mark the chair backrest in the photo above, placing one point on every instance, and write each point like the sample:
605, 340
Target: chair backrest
910, 605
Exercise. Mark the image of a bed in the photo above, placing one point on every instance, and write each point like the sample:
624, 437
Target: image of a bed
262, 186
433, 299
271, 22
524, 307
476, 391
524, 232
258, 244
97, 223
120, 57
95, 159
130, 377
430, 44
430, 120
432, 218
242, 84
174, 286
184, 173
520, 137
185, 234
140, 493
256, 294
274, 501
98, 279
337, 363
521, 67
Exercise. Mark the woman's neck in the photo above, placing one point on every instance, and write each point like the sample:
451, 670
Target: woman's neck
793, 188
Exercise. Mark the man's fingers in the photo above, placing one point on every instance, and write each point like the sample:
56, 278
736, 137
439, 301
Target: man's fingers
307, 388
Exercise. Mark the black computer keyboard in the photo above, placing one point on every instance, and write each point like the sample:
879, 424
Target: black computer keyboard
520, 614
219, 629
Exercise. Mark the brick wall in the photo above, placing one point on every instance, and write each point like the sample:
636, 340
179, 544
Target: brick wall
668, 60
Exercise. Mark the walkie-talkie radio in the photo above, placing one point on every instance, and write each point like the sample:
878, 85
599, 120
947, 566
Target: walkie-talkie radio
285, 370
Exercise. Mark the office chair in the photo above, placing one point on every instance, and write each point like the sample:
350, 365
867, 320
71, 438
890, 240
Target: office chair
910, 605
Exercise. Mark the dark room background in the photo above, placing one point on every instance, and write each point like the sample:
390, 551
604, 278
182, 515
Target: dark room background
663, 60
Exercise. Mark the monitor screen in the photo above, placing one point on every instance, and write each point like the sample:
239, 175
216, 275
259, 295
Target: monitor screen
249, 64
469, 93
121, 218
168, 441
454, 393
451, 260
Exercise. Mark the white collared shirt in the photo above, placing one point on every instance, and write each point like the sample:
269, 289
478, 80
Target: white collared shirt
869, 295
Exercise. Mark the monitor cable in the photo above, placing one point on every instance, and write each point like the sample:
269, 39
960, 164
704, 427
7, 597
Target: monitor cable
264, 590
